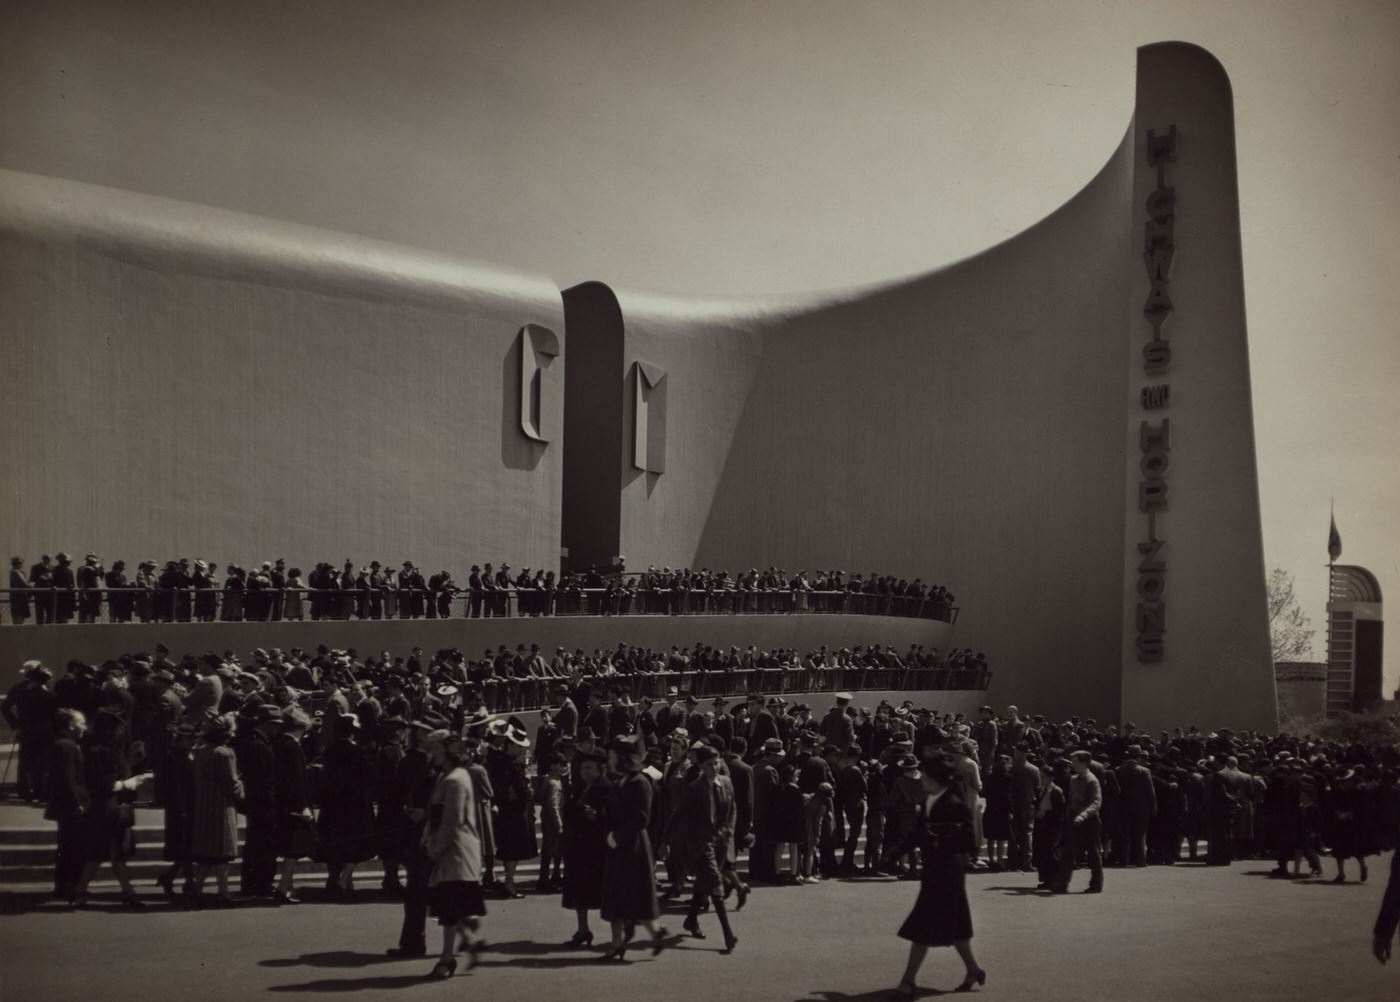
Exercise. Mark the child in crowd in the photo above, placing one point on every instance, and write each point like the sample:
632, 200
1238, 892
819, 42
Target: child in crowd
551, 801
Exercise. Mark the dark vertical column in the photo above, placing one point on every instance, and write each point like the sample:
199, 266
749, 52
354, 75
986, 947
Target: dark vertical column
1367, 671
593, 439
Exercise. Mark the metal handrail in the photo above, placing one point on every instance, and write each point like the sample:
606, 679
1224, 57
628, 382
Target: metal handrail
165, 605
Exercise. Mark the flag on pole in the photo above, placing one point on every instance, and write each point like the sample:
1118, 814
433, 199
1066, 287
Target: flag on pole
1334, 541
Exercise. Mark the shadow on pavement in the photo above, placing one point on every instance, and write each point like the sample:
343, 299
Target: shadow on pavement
375, 984
878, 995
334, 958
1020, 890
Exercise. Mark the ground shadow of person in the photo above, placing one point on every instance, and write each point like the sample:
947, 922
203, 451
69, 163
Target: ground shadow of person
375, 984
879, 995
1024, 892
333, 958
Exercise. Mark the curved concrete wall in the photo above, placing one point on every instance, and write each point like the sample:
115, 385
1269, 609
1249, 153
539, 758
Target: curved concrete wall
183, 381
179, 380
973, 426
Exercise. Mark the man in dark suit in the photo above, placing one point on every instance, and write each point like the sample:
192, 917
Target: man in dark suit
65, 594
762, 726
763, 862
278, 578
28, 708
596, 714
19, 592
89, 579
741, 776
566, 713
837, 728
475, 592
851, 792
41, 580
1026, 789
68, 802
1137, 804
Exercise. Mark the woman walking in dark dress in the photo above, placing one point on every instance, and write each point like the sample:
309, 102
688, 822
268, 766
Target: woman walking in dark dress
586, 842
941, 916
629, 869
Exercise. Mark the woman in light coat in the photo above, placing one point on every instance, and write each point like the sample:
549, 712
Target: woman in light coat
452, 840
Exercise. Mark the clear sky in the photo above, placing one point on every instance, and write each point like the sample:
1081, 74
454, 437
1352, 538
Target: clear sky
724, 147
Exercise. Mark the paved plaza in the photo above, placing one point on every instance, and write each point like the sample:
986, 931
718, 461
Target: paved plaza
1181, 933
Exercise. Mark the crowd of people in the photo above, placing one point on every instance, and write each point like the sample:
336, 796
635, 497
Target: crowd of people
345, 761
54, 591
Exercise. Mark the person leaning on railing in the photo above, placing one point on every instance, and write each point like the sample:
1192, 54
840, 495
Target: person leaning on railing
182, 593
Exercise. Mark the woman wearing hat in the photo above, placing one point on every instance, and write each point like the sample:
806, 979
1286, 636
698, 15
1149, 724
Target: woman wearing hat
178, 782
629, 870
514, 802
941, 916
586, 841
453, 842
218, 790
107, 773
294, 833
346, 824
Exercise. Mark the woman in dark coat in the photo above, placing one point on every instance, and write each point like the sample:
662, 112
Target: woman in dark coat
107, 774
1349, 827
629, 869
787, 823
996, 821
941, 916
586, 842
346, 824
218, 792
293, 833
179, 809
514, 827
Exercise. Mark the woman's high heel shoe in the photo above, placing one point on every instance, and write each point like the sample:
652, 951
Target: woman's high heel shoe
166, 882
616, 955
581, 939
977, 977
906, 990
442, 970
658, 940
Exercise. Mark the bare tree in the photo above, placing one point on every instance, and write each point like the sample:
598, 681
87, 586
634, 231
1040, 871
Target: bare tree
1288, 627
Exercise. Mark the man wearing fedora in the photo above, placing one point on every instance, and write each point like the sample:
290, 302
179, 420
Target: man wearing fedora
29, 707
40, 583
89, 580
19, 592
763, 859
64, 585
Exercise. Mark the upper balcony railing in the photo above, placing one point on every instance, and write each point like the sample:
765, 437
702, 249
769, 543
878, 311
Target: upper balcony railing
208, 605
